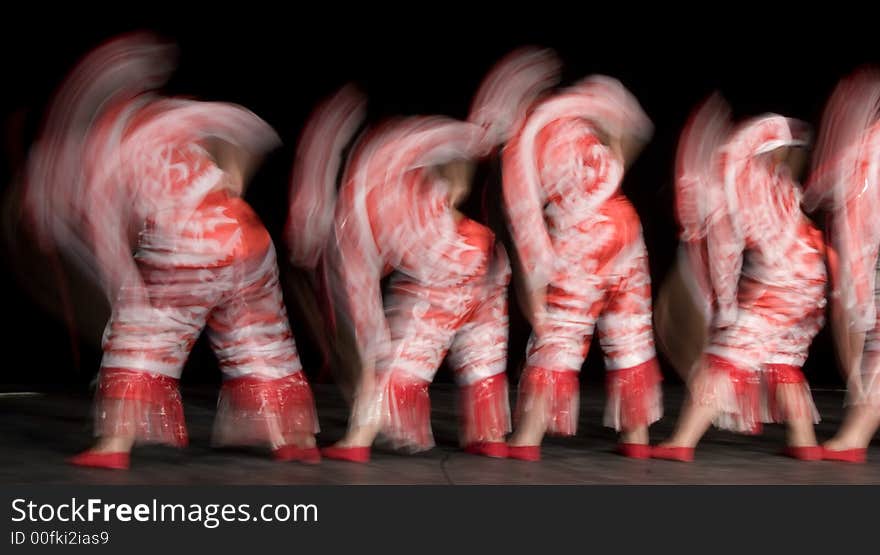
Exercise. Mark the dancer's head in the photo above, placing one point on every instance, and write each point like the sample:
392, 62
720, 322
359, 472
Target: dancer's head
617, 115
236, 162
459, 175
777, 140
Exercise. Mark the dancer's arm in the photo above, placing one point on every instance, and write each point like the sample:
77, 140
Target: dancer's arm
524, 201
725, 251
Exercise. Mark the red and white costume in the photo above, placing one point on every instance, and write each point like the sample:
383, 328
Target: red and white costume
579, 237
699, 197
760, 263
448, 294
201, 257
844, 182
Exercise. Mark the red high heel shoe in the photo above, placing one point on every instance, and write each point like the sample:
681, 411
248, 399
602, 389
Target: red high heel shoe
494, 449
634, 450
857, 455
350, 454
311, 455
307, 455
810, 453
681, 454
524, 452
113, 461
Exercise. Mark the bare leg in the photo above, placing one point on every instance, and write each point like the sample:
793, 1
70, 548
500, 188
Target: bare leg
532, 426
693, 423
637, 435
113, 444
363, 427
859, 426
359, 436
861, 420
798, 420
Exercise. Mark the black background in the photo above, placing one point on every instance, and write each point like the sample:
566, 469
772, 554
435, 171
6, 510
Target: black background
280, 62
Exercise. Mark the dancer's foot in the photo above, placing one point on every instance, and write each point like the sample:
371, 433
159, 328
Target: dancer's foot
494, 449
350, 454
670, 452
530, 453
307, 455
845, 448
110, 460
804, 452
634, 450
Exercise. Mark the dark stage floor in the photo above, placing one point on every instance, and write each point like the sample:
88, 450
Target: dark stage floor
38, 432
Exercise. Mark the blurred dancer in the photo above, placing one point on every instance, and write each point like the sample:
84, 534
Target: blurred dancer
844, 182
448, 295
760, 265
320, 159
397, 212
684, 307
580, 245
120, 169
